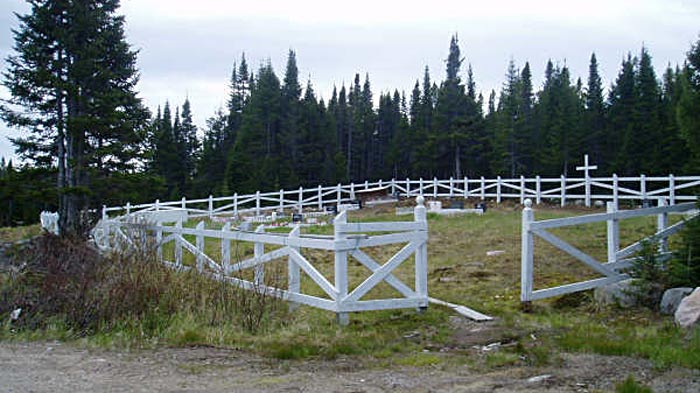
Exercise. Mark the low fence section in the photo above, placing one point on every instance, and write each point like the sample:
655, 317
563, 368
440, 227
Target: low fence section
617, 259
347, 243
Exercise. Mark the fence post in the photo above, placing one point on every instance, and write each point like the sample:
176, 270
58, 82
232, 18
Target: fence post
338, 195
210, 206
157, 205
452, 187
104, 212
616, 190
178, 243
183, 203
466, 187
235, 205
408, 187
498, 190
538, 187
300, 205
420, 185
200, 246
352, 190
613, 233
393, 186
661, 224
281, 208
421, 258
671, 190
293, 270
159, 241
483, 188
258, 251
527, 253
435, 187
128, 208
587, 187
366, 184
341, 267
643, 187
563, 191
257, 203
226, 249
522, 189
320, 197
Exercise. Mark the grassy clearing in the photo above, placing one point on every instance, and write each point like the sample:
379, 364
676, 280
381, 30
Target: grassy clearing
460, 272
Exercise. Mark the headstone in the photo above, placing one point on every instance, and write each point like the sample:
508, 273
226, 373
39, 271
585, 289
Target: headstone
480, 205
457, 205
434, 206
297, 217
647, 203
688, 311
333, 209
672, 299
618, 293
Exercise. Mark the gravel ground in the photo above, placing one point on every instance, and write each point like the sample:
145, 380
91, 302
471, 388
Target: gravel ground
57, 367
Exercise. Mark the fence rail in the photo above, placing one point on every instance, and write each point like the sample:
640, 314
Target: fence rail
674, 189
617, 259
347, 242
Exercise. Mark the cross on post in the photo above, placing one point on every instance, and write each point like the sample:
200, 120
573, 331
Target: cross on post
585, 168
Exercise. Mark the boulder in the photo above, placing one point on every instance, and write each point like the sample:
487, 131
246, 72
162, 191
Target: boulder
688, 312
618, 293
672, 298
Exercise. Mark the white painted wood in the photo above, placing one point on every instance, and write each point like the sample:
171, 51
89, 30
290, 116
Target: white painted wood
563, 191
390, 279
574, 252
341, 268
661, 225
576, 287
462, 310
498, 190
613, 233
380, 273
293, 270
526, 253
199, 240
259, 252
226, 250
421, 257
538, 188
178, 245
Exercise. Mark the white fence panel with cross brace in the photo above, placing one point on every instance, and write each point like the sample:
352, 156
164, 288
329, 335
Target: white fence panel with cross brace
618, 259
347, 242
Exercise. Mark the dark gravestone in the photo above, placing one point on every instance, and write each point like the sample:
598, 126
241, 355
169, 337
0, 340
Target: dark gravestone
297, 217
456, 204
357, 202
647, 203
480, 205
333, 209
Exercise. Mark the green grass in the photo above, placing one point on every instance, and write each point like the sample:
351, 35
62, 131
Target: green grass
459, 271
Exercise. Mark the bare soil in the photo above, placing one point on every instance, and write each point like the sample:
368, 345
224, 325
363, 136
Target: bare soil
59, 367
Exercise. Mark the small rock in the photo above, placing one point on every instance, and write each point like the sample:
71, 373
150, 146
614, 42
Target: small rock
494, 253
672, 298
688, 311
491, 347
539, 378
599, 203
446, 279
618, 293
14, 315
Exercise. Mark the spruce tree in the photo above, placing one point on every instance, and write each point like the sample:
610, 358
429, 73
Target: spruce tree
689, 105
594, 115
74, 75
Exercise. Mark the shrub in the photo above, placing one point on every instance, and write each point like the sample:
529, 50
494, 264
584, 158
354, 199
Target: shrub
651, 277
684, 268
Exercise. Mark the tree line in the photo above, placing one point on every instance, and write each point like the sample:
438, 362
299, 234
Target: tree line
72, 80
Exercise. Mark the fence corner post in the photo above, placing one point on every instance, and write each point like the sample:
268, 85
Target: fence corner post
527, 255
159, 240
341, 267
293, 269
178, 243
421, 258
210, 206
613, 232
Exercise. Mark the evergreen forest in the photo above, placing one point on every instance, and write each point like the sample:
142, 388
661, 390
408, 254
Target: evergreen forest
93, 142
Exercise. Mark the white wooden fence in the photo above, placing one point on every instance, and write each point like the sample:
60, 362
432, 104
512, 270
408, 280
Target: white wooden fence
348, 241
564, 190
617, 259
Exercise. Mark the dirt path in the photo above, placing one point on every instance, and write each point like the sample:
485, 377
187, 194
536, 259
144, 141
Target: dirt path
56, 367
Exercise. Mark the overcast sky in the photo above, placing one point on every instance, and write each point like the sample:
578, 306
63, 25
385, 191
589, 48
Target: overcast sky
187, 47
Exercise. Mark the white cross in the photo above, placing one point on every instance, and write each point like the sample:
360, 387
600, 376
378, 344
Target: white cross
585, 168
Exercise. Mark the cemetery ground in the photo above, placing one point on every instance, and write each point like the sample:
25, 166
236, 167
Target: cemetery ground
563, 344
